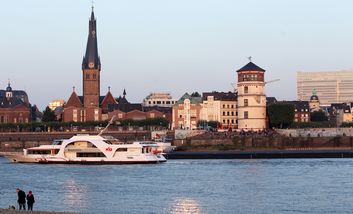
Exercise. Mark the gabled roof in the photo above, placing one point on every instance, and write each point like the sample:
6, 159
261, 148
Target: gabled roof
107, 99
299, 105
223, 96
74, 101
251, 67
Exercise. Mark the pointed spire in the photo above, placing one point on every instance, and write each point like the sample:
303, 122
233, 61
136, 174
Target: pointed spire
91, 59
124, 92
8, 88
92, 13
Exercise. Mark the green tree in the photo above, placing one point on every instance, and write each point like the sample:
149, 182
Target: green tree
318, 116
281, 115
48, 115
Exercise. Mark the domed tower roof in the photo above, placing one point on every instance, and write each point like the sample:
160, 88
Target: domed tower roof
314, 96
251, 67
8, 88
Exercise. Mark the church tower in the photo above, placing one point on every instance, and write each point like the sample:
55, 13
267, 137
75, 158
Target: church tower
91, 67
251, 97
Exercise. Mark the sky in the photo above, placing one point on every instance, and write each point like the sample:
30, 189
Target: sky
174, 46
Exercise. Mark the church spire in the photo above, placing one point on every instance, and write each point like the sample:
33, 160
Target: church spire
91, 59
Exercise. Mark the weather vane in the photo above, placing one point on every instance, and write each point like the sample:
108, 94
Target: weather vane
250, 57
92, 2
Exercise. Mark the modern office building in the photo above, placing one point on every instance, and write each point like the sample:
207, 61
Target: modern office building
331, 87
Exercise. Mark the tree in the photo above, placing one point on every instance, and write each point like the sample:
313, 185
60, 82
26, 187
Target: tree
48, 115
318, 116
281, 115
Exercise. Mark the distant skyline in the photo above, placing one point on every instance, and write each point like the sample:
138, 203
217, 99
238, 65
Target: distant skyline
171, 46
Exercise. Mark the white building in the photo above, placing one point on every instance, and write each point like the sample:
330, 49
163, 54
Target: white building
331, 87
220, 107
159, 99
251, 98
56, 103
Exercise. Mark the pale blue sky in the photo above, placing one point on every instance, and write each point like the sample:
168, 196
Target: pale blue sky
175, 46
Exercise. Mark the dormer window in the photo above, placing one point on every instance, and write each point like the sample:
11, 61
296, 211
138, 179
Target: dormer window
9, 94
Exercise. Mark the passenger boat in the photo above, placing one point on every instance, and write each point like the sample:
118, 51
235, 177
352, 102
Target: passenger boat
91, 149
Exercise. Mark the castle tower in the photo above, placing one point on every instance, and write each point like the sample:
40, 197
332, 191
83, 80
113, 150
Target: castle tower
251, 97
91, 68
314, 103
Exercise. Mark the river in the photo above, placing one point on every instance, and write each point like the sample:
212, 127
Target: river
186, 186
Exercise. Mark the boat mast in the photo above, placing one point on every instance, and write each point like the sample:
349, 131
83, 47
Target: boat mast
110, 122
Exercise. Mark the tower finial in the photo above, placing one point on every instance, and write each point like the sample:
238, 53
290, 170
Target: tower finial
73, 88
92, 5
109, 88
250, 57
8, 82
314, 91
124, 92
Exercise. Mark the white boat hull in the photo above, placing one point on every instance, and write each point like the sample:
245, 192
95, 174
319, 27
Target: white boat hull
58, 160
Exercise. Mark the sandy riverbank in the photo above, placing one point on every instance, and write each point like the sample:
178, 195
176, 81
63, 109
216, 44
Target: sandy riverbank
8, 211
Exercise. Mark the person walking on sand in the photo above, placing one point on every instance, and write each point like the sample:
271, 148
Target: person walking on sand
30, 200
21, 199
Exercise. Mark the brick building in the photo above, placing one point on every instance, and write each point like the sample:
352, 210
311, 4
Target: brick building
93, 107
14, 106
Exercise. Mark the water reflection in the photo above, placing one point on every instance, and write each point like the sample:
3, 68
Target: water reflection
74, 194
185, 206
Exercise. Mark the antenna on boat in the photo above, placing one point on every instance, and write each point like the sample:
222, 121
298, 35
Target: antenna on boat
110, 122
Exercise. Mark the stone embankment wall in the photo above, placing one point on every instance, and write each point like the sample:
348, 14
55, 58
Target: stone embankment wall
316, 132
268, 142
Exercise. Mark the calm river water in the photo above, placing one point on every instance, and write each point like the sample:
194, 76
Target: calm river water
186, 186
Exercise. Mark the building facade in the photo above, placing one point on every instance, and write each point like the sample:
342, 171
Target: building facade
186, 112
14, 106
251, 98
159, 99
56, 103
220, 107
331, 87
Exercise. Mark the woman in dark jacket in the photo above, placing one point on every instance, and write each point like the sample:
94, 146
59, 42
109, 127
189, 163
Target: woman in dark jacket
30, 200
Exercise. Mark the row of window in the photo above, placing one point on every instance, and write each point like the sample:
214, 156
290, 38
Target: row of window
301, 110
228, 121
252, 77
88, 76
228, 113
162, 102
228, 106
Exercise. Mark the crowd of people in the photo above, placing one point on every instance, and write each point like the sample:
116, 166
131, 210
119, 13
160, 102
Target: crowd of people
22, 198
231, 134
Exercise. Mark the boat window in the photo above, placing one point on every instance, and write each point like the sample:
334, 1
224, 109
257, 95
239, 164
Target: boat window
39, 152
90, 154
82, 144
122, 150
108, 142
57, 142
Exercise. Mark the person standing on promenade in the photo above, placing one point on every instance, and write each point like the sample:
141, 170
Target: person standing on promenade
30, 200
21, 199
